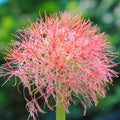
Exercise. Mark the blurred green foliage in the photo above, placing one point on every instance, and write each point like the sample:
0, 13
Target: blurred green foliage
14, 14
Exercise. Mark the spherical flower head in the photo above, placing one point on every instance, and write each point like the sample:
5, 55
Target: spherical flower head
63, 55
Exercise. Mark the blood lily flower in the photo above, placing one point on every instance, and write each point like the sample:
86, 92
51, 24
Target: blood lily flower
63, 55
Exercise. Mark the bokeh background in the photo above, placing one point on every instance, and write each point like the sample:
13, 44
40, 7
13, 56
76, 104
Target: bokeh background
15, 14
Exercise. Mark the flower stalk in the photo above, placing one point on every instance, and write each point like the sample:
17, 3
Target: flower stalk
60, 112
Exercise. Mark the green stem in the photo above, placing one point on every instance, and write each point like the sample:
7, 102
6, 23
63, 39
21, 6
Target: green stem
60, 112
